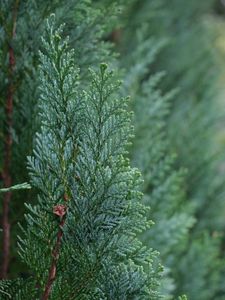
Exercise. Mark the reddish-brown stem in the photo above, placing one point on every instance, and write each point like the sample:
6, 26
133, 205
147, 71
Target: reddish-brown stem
55, 258
6, 176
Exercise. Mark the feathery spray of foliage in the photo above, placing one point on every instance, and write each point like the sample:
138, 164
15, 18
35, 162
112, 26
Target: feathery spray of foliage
199, 116
193, 130
80, 241
87, 24
164, 188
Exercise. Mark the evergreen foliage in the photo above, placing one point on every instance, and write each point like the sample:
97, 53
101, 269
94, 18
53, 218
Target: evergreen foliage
193, 131
200, 121
80, 241
87, 24
164, 185
87, 232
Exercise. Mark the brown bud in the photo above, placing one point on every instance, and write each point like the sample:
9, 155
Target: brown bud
59, 210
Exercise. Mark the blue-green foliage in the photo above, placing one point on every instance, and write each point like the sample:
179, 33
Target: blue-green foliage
87, 24
164, 188
206, 267
193, 129
80, 153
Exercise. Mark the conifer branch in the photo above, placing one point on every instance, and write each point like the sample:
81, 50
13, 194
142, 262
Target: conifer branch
80, 157
22, 186
7, 180
59, 210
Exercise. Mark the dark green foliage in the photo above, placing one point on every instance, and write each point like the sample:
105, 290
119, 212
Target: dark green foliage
80, 153
102, 244
87, 24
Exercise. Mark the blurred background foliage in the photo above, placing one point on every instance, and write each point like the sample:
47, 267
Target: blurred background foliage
193, 60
